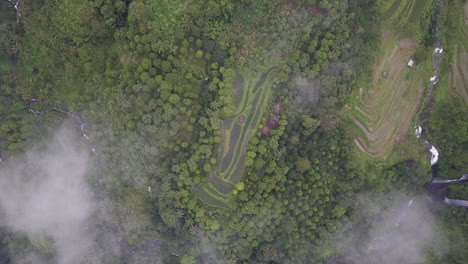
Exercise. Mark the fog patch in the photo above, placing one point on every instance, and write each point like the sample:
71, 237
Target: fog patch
308, 91
44, 194
393, 229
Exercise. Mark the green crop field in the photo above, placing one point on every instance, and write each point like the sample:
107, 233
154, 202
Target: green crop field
389, 101
252, 93
404, 15
404, 10
458, 77
387, 106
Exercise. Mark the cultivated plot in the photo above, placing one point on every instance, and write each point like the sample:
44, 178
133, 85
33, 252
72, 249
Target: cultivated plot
458, 77
252, 94
404, 10
388, 104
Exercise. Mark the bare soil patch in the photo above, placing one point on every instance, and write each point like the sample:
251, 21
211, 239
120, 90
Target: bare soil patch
408, 43
386, 35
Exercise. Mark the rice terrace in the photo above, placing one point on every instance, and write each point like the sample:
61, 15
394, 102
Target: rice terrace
390, 100
252, 94
385, 110
459, 73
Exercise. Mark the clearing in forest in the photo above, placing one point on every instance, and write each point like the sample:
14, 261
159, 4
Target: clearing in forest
458, 77
252, 94
388, 104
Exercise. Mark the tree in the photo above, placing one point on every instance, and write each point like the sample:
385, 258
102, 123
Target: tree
309, 124
240, 186
146, 63
338, 211
174, 99
187, 259
199, 54
303, 164
215, 225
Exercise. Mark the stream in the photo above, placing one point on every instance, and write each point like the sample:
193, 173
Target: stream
77, 118
17, 5
437, 188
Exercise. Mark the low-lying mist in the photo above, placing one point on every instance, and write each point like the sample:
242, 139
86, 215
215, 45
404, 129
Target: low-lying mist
394, 229
44, 195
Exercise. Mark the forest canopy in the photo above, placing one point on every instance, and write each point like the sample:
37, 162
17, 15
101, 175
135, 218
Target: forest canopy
224, 131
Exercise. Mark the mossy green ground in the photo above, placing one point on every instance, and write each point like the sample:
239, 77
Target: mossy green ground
253, 94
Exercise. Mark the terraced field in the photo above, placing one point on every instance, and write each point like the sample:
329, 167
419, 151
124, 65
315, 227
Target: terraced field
403, 15
388, 104
404, 10
252, 95
458, 77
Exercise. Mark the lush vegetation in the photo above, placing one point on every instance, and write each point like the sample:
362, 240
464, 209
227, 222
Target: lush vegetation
243, 130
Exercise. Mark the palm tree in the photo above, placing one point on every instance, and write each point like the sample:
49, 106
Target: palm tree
273, 180
203, 121
177, 168
213, 113
250, 208
215, 104
179, 213
147, 118
212, 87
191, 163
173, 48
